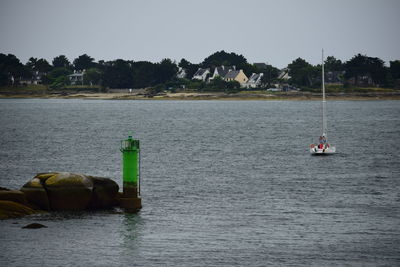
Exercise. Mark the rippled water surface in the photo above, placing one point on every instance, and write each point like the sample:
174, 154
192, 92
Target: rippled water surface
225, 183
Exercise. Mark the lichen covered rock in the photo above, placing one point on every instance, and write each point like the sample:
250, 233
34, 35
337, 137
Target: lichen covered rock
36, 194
68, 191
13, 195
11, 209
104, 193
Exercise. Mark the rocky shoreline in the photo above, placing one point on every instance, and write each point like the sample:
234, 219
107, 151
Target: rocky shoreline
369, 95
59, 191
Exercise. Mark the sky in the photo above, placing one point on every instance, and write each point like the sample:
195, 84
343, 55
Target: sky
272, 31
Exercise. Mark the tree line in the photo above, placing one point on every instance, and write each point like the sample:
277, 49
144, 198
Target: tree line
112, 74
360, 70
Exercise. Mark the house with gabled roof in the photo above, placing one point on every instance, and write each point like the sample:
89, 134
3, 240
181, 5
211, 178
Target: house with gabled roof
222, 71
254, 80
236, 75
361, 80
36, 78
284, 74
201, 74
334, 77
181, 74
76, 78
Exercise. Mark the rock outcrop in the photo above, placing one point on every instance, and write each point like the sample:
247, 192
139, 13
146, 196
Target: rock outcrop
71, 191
58, 192
68, 191
13, 195
104, 193
11, 209
35, 192
34, 226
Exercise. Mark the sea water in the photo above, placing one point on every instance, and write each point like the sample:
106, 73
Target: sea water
224, 183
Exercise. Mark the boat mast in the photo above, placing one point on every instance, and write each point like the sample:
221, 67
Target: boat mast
324, 130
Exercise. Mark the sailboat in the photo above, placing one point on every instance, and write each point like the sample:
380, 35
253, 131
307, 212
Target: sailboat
323, 147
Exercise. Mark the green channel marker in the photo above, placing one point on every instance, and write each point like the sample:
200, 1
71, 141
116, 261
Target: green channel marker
131, 161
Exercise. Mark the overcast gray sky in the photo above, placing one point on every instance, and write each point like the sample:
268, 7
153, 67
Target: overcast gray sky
270, 31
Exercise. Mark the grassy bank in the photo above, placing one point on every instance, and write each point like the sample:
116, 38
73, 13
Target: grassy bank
44, 89
338, 88
29, 89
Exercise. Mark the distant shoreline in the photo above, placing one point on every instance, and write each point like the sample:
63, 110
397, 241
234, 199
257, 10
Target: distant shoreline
292, 96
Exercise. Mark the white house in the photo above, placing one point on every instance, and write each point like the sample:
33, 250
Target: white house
35, 79
284, 74
201, 74
181, 74
222, 71
76, 77
254, 80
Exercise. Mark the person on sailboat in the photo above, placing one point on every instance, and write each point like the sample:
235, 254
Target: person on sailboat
323, 139
321, 143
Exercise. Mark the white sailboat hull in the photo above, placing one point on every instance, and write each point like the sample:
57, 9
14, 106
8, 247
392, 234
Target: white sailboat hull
322, 151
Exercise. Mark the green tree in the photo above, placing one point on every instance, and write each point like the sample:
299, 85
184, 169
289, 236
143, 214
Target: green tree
118, 74
222, 58
11, 70
232, 87
393, 79
196, 85
61, 71
42, 66
361, 65
303, 74
60, 82
228, 59
31, 64
184, 63
84, 62
61, 62
220, 85
395, 69
217, 84
57, 77
92, 76
189, 67
144, 74
166, 71
248, 69
270, 76
333, 64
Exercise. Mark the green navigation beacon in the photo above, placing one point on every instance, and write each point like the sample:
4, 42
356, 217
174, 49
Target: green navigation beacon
130, 160
130, 199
